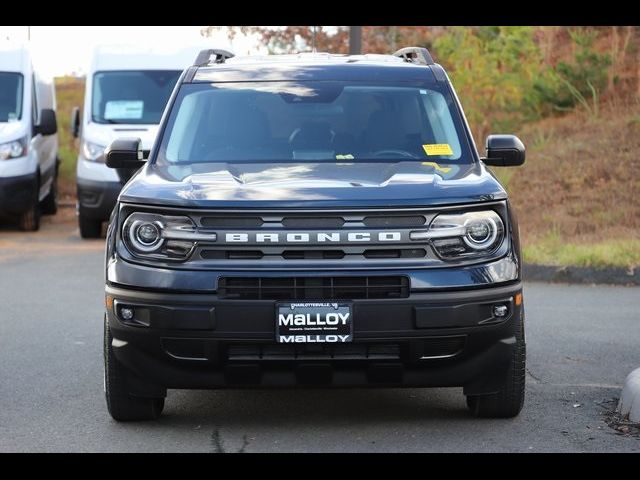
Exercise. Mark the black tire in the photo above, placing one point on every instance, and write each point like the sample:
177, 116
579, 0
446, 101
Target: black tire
122, 406
89, 228
508, 402
29, 221
49, 205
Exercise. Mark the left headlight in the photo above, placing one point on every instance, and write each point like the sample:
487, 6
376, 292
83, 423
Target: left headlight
470, 234
150, 235
15, 149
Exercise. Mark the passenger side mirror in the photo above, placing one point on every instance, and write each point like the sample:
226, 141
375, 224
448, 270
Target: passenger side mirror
124, 153
48, 124
504, 151
75, 122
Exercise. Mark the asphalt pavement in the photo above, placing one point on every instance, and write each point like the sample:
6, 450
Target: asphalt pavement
582, 341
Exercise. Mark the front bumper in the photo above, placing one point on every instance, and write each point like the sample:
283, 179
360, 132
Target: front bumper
17, 193
97, 199
436, 339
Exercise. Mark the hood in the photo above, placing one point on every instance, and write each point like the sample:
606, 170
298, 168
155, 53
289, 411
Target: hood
104, 134
311, 185
10, 131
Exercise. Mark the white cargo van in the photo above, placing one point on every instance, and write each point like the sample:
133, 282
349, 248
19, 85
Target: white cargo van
28, 140
126, 91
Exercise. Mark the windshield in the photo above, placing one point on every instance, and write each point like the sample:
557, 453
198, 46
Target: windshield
10, 97
137, 97
313, 121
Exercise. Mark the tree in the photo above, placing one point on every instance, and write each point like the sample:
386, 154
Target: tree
335, 39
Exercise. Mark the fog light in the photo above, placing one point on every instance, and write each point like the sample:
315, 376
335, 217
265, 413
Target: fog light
500, 310
126, 313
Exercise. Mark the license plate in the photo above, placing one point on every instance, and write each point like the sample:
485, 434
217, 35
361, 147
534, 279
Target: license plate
314, 323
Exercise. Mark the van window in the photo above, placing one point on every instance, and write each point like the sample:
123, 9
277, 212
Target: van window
137, 97
10, 96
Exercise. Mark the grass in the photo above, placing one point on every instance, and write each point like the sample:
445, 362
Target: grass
552, 250
69, 94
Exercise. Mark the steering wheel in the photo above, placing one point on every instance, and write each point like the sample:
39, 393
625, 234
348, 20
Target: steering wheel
402, 153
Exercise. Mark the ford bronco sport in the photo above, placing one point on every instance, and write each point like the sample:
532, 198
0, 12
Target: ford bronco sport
313, 220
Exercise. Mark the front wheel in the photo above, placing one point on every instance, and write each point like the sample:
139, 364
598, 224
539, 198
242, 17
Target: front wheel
89, 228
29, 220
122, 406
509, 399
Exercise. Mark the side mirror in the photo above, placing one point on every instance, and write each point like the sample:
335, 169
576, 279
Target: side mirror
75, 122
48, 124
504, 151
124, 153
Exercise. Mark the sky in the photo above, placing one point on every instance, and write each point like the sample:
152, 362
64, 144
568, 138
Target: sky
67, 50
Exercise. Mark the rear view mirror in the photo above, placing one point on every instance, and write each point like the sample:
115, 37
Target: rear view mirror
48, 124
75, 122
504, 151
124, 153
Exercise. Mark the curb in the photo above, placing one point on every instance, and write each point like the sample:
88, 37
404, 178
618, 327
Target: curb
629, 403
555, 274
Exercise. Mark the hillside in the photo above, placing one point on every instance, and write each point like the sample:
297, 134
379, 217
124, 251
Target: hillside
578, 195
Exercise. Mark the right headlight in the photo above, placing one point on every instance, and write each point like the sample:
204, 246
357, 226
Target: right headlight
92, 151
464, 235
150, 235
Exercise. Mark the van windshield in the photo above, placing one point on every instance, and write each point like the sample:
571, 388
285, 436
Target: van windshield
10, 97
313, 121
132, 97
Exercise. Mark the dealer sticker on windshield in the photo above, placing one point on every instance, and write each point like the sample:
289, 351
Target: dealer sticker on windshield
437, 149
314, 323
124, 110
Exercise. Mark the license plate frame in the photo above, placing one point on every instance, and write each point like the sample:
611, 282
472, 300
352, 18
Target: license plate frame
314, 322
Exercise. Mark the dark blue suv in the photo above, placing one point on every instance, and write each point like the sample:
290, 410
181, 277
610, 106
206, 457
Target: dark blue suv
313, 220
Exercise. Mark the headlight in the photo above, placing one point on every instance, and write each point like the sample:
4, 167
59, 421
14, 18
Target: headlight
150, 235
93, 152
471, 234
15, 149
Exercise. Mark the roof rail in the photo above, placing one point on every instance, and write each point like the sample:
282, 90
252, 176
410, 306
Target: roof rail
415, 55
204, 57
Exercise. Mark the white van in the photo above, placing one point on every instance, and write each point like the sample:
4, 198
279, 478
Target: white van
126, 92
28, 140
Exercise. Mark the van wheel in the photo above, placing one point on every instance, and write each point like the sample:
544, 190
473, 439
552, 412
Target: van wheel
49, 205
89, 228
509, 400
122, 406
29, 221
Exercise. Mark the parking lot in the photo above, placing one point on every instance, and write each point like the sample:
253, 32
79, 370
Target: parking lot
582, 342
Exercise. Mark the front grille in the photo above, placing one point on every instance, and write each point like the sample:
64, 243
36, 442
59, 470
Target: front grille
313, 288
343, 351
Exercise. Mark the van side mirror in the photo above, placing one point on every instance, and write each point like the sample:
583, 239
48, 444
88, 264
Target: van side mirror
75, 122
504, 151
124, 153
48, 124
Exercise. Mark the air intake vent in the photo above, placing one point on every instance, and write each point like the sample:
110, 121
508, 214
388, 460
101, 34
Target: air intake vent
312, 288
381, 221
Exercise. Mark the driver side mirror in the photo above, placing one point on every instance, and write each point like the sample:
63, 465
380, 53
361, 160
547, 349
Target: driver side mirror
504, 151
48, 124
124, 153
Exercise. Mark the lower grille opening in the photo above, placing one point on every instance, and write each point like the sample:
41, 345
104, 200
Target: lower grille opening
312, 254
350, 351
313, 288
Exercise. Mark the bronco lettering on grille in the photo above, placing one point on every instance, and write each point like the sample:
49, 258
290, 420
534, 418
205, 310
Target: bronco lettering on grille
315, 237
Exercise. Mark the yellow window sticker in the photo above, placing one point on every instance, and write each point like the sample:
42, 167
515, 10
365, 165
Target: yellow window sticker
348, 156
437, 167
437, 149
